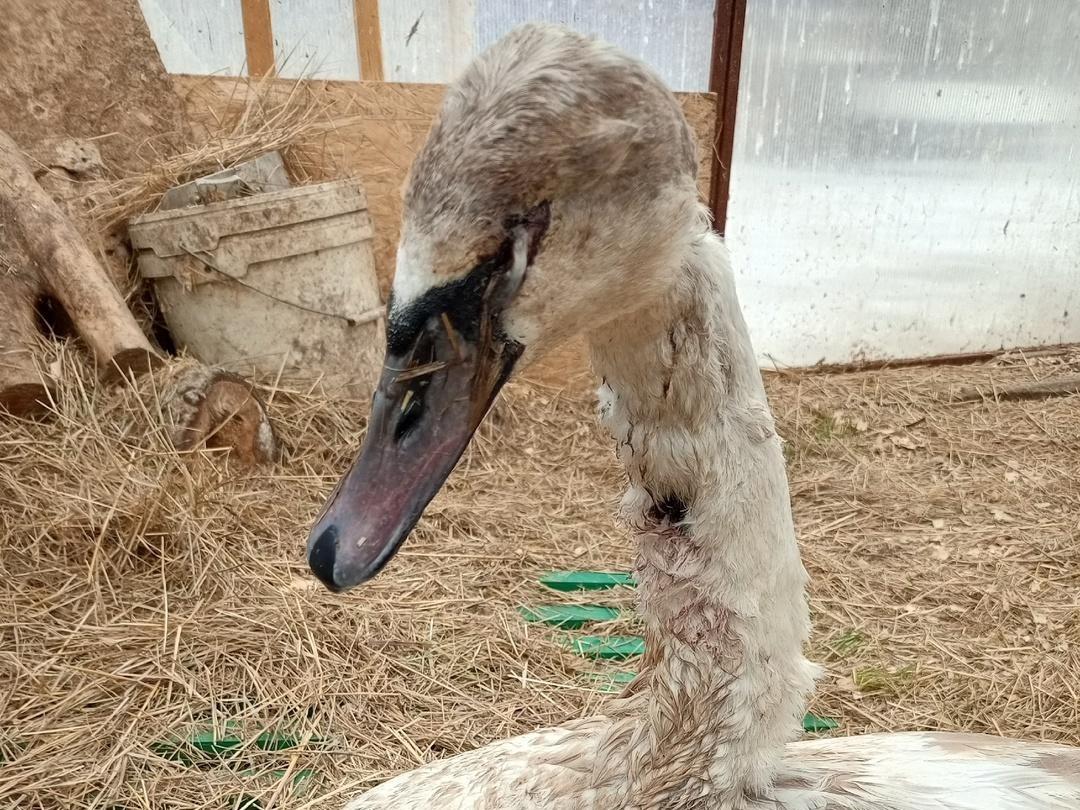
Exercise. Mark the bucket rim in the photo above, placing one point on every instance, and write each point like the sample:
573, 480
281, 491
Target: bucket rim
254, 201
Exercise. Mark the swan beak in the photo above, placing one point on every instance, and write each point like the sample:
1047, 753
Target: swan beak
430, 400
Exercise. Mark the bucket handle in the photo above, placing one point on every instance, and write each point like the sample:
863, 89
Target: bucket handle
370, 315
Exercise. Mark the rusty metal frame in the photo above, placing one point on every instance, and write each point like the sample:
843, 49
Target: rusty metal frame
728, 24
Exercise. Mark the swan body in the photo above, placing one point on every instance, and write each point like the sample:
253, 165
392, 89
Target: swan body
556, 196
905, 771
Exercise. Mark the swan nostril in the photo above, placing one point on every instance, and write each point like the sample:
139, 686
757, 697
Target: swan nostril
411, 411
322, 555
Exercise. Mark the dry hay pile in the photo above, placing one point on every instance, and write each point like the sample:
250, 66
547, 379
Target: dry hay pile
264, 123
146, 595
943, 545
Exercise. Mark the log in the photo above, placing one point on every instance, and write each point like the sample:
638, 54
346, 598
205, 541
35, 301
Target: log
24, 389
70, 271
1059, 387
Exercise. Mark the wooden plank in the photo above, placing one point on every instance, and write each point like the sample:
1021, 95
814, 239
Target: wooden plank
962, 359
258, 37
1060, 387
368, 39
729, 22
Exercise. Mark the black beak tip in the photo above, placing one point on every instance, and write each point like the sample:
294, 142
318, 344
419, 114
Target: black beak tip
322, 552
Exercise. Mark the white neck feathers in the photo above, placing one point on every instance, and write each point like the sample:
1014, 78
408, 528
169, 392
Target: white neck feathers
721, 584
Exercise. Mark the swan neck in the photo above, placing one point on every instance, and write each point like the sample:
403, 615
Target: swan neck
721, 586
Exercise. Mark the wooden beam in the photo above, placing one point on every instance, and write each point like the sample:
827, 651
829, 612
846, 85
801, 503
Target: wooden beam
1060, 387
728, 24
964, 359
258, 36
368, 39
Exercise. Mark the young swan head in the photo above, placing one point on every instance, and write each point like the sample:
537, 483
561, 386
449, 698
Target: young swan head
555, 193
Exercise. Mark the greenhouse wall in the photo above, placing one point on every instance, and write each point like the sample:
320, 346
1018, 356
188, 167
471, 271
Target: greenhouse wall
906, 175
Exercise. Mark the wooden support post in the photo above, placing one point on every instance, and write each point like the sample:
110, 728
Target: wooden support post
368, 39
69, 270
728, 24
258, 36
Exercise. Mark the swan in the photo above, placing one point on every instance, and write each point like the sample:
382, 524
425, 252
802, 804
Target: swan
556, 196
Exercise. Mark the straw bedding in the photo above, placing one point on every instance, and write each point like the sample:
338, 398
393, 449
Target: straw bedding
145, 594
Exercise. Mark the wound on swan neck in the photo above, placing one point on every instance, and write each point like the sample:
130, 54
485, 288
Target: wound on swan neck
669, 509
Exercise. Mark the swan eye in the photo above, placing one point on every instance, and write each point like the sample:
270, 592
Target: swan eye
512, 274
520, 248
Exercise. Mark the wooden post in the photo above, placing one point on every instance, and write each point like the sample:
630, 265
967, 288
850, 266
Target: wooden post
728, 24
368, 39
258, 36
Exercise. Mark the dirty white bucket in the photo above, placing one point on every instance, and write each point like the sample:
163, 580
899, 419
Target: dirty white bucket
283, 281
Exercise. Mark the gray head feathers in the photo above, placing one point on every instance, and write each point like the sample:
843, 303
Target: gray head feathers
545, 113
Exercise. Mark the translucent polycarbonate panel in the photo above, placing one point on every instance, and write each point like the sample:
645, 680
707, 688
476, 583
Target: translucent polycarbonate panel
312, 38
315, 39
906, 177
673, 36
197, 36
426, 40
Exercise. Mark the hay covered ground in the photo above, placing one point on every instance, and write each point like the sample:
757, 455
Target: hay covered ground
145, 594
